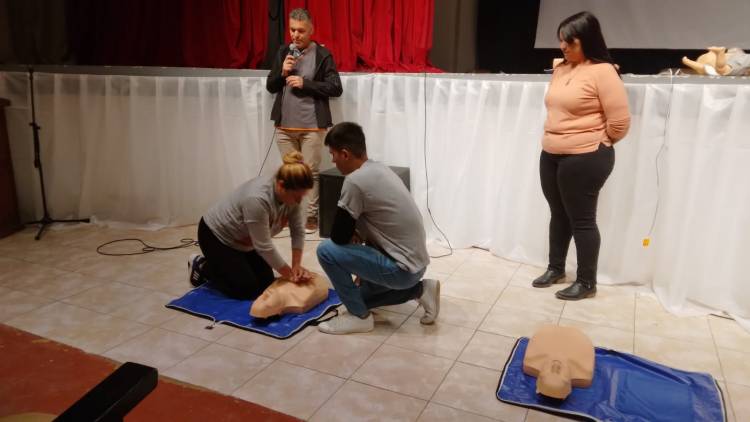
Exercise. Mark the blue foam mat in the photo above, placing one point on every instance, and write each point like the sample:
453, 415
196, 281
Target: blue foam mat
624, 388
207, 302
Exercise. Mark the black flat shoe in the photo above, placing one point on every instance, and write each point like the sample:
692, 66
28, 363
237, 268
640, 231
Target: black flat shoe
577, 291
548, 278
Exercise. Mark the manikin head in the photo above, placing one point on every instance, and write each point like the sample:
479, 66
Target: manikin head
561, 358
554, 380
270, 303
284, 296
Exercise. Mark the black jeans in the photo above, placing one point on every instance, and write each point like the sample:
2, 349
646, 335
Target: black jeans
571, 184
241, 275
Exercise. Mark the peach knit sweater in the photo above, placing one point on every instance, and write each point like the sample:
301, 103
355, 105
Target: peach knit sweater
586, 105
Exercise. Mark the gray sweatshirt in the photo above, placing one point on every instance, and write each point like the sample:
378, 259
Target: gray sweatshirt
247, 218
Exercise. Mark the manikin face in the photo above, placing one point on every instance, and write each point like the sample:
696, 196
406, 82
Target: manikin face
554, 380
300, 33
572, 51
268, 304
284, 296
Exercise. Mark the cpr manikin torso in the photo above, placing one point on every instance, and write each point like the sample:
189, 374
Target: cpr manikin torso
286, 297
560, 358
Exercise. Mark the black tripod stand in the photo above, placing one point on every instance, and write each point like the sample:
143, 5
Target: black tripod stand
46, 220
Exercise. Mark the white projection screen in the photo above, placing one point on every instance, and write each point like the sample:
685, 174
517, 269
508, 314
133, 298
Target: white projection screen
663, 24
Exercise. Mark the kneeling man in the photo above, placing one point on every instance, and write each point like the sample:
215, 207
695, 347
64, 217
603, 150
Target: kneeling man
377, 236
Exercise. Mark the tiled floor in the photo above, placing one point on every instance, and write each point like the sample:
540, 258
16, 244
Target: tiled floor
60, 288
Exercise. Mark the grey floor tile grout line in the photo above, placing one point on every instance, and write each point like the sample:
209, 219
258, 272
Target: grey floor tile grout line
317, 409
186, 358
65, 297
635, 319
53, 301
348, 378
172, 330
461, 410
424, 353
65, 300
274, 360
455, 361
358, 382
150, 328
323, 372
489, 311
449, 274
240, 350
362, 364
427, 401
458, 356
718, 355
682, 340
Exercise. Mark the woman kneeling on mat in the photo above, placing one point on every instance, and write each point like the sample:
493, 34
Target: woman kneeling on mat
235, 235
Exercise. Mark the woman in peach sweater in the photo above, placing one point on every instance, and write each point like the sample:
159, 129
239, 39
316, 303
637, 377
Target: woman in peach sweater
587, 113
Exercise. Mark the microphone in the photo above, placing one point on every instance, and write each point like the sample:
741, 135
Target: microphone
294, 51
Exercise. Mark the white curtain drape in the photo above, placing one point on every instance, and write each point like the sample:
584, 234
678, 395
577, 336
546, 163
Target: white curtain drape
160, 150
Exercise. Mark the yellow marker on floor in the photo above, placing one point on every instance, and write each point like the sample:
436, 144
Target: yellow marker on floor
646, 242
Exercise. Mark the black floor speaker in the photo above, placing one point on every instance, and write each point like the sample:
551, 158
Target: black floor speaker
330, 189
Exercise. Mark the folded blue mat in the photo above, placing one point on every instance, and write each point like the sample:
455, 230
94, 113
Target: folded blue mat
208, 302
624, 388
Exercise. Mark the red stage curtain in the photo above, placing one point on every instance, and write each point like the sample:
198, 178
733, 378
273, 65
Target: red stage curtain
372, 35
367, 35
224, 33
196, 33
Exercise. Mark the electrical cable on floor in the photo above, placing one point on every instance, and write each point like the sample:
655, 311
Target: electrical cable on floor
184, 243
426, 176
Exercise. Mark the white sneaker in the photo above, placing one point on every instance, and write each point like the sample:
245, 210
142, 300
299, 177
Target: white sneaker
195, 262
430, 300
347, 323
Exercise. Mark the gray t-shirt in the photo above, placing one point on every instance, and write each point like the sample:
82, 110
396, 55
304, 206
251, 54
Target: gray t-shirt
248, 218
386, 214
297, 109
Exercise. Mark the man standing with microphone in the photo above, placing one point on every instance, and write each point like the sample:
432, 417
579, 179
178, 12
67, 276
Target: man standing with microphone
303, 76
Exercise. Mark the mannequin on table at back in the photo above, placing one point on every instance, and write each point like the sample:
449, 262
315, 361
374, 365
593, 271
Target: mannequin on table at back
720, 62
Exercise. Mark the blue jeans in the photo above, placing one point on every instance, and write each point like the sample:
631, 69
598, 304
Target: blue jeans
382, 282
